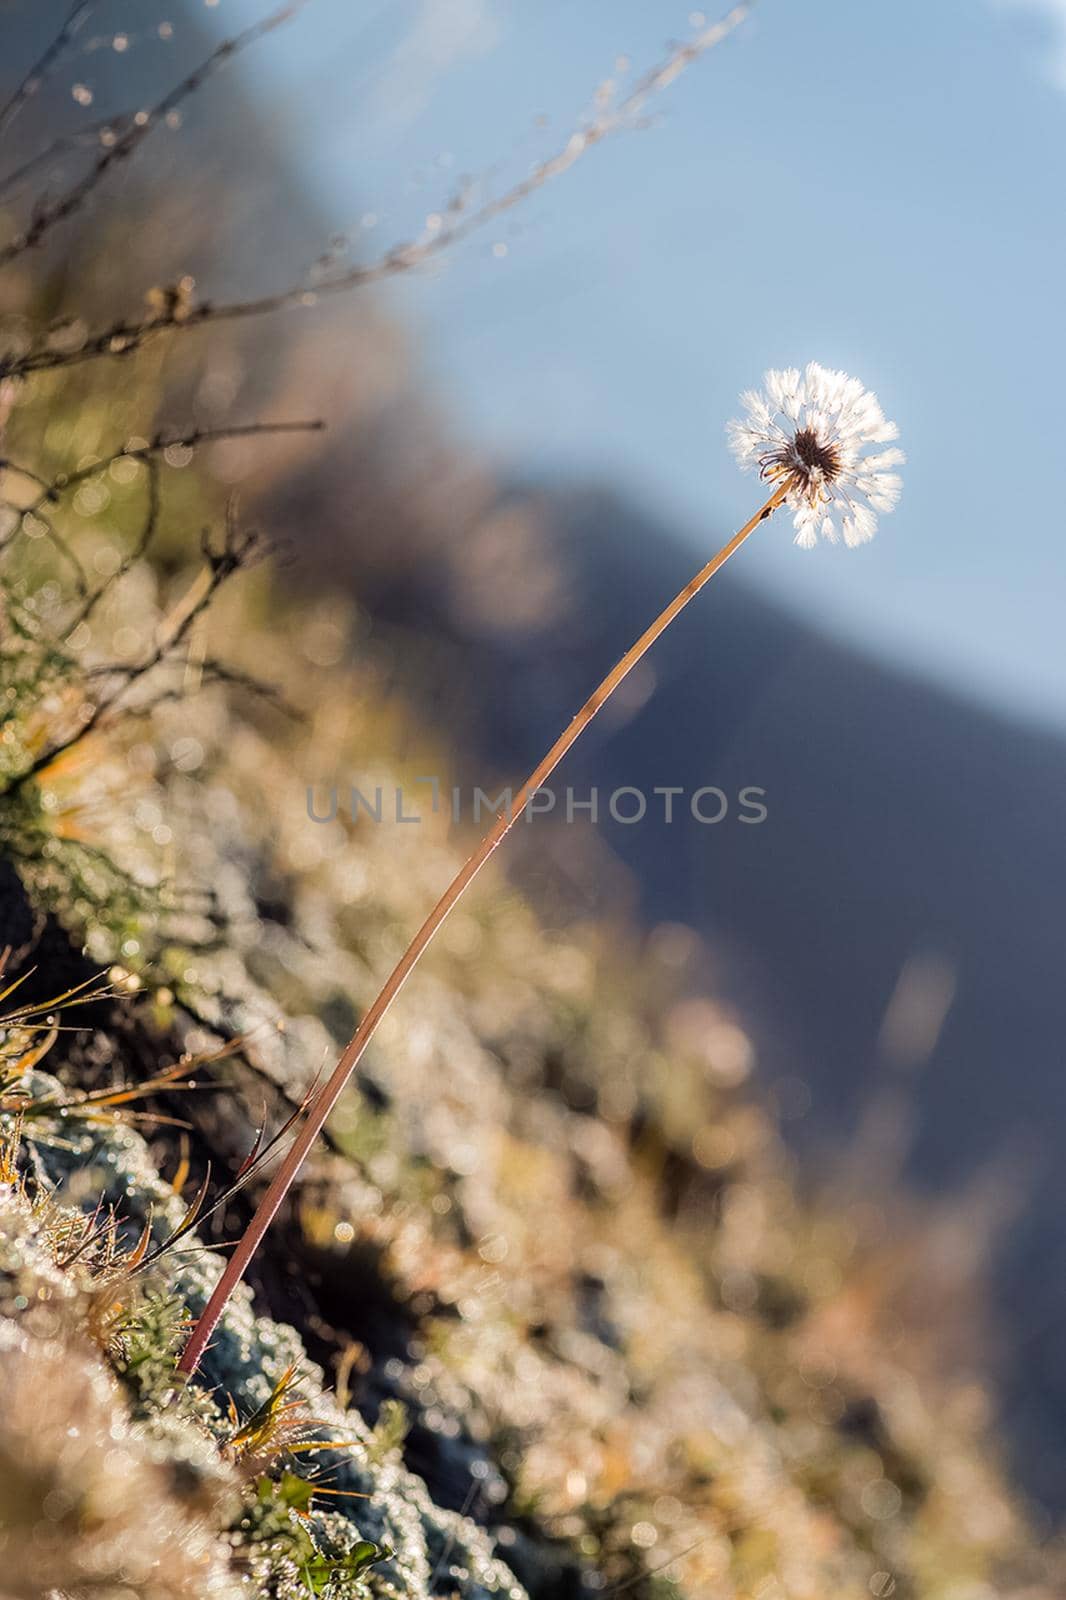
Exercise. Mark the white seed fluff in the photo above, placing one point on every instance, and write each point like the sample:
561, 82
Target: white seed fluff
809, 431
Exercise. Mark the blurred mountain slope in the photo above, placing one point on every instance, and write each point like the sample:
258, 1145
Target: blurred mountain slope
906, 827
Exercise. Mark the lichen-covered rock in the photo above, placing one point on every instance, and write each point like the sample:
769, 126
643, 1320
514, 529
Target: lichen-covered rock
91, 1501
431, 1550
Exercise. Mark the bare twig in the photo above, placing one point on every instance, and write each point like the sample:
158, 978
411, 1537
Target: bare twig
239, 548
123, 337
136, 553
215, 671
48, 216
654, 1572
29, 85
56, 538
162, 442
21, 471
81, 138
249, 1170
52, 489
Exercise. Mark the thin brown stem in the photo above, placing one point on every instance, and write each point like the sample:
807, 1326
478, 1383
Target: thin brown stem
328, 1095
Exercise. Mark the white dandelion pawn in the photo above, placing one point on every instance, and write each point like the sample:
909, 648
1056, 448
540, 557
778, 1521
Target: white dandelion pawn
808, 431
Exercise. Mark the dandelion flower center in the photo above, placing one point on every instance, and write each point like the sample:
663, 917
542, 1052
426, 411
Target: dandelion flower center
808, 432
816, 455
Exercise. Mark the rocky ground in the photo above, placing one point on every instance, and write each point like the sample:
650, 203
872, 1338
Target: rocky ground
549, 1314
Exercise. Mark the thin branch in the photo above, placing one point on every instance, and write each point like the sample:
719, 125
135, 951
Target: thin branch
56, 538
51, 490
249, 1170
162, 442
81, 138
41, 68
20, 471
135, 553
646, 1573
208, 672
238, 550
126, 337
215, 671
49, 216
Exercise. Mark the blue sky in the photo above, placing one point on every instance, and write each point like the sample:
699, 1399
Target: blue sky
877, 187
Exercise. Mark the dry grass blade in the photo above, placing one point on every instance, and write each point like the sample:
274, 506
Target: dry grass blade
198, 1212
88, 992
253, 1155
184, 1227
280, 1426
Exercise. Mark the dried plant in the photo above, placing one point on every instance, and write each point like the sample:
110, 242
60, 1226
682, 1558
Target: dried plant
814, 459
106, 686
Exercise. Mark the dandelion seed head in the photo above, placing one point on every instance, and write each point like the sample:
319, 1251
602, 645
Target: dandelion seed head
809, 433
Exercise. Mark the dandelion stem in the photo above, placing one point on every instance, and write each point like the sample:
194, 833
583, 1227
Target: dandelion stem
328, 1095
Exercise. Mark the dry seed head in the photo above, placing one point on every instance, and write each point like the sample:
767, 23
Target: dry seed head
808, 432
